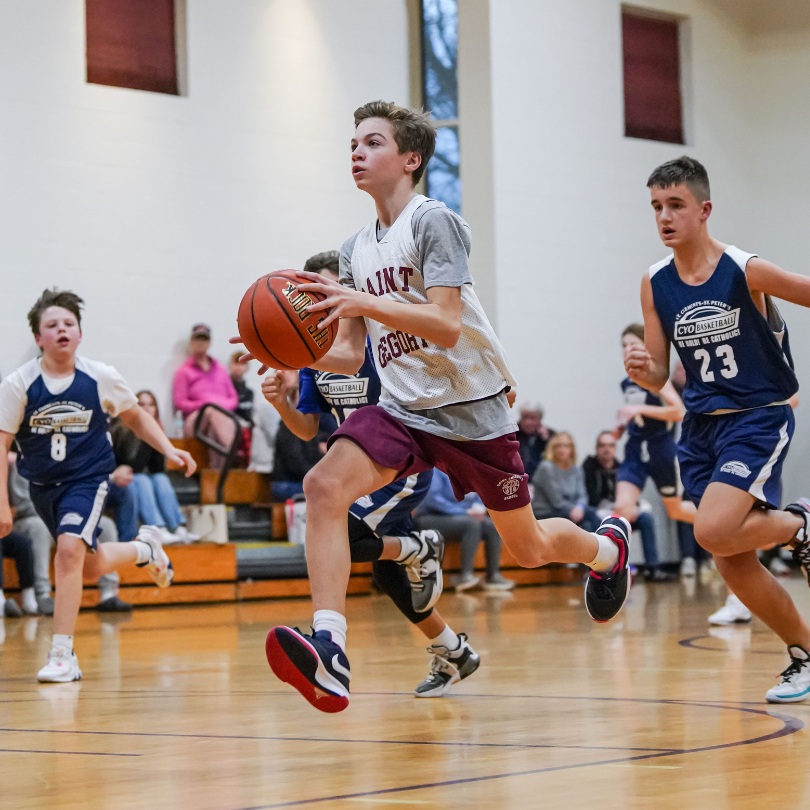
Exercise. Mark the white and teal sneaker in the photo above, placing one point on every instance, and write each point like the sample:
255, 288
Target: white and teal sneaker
795, 684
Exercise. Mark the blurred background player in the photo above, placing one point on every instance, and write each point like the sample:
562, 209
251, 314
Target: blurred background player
57, 409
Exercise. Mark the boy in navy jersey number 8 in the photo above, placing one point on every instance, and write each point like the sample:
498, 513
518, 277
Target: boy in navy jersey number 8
713, 302
57, 408
405, 282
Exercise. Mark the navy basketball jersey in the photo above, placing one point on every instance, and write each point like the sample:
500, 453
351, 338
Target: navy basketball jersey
62, 424
735, 359
339, 394
643, 427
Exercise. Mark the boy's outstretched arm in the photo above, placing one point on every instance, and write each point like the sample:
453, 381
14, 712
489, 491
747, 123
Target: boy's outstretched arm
146, 428
768, 278
648, 365
6, 518
671, 411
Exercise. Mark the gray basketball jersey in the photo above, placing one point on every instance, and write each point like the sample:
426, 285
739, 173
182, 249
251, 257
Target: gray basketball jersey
415, 374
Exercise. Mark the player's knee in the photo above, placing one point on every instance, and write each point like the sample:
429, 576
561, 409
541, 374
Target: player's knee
322, 487
713, 536
68, 558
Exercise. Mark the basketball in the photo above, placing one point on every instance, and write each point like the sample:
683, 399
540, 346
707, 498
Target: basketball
275, 326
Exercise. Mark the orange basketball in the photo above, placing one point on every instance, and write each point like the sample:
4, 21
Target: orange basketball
275, 326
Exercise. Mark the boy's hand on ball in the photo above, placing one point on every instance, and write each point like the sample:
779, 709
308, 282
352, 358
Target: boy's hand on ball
341, 300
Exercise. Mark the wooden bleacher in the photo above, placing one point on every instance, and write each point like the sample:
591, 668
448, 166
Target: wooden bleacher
206, 572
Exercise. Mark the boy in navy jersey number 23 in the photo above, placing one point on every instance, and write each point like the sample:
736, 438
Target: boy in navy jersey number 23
57, 409
714, 303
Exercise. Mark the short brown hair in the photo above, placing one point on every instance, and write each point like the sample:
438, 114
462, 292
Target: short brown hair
413, 130
636, 329
683, 170
328, 260
55, 298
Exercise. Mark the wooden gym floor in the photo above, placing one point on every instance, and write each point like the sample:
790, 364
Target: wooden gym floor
178, 709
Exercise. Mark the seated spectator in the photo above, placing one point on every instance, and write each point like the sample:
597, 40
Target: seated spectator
600, 481
263, 440
28, 523
559, 485
532, 436
466, 521
202, 380
156, 499
17, 547
244, 409
122, 501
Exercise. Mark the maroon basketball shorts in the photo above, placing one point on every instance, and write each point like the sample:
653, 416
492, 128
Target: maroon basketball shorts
492, 467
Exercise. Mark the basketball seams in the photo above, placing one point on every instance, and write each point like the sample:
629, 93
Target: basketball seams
261, 323
256, 328
286, 312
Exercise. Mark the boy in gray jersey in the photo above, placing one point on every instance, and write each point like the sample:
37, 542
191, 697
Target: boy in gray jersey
405, 282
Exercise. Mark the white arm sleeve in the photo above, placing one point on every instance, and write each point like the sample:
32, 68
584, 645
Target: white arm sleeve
115, 395
13, 399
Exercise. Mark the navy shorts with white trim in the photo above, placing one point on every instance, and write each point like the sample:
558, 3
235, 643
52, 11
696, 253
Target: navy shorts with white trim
73, 507
745, 450
651, 458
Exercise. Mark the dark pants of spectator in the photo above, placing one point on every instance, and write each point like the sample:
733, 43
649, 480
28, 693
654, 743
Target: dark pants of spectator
17, 547
590, 520
688, 545
645, 524
282, 490
124, 503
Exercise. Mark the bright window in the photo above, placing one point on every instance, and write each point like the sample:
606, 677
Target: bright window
440, 93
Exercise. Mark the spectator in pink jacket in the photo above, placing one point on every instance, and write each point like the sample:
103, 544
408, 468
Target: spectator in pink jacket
200, 380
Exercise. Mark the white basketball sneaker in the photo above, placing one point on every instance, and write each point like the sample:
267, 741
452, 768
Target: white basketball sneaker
62, 667
732, 612
795, 684
158, 565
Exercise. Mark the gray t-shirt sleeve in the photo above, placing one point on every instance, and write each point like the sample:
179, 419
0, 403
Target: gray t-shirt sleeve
443, 240
345, 264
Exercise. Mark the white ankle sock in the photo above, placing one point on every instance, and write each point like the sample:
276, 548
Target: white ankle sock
107, 593
408, 546
332, 621
62, 641
144, 551
447, 639
606, 556
29, 600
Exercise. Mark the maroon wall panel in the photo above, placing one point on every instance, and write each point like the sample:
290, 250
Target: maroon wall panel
652, 80
132, 44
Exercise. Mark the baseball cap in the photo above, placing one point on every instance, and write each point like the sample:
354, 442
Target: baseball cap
201, 330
